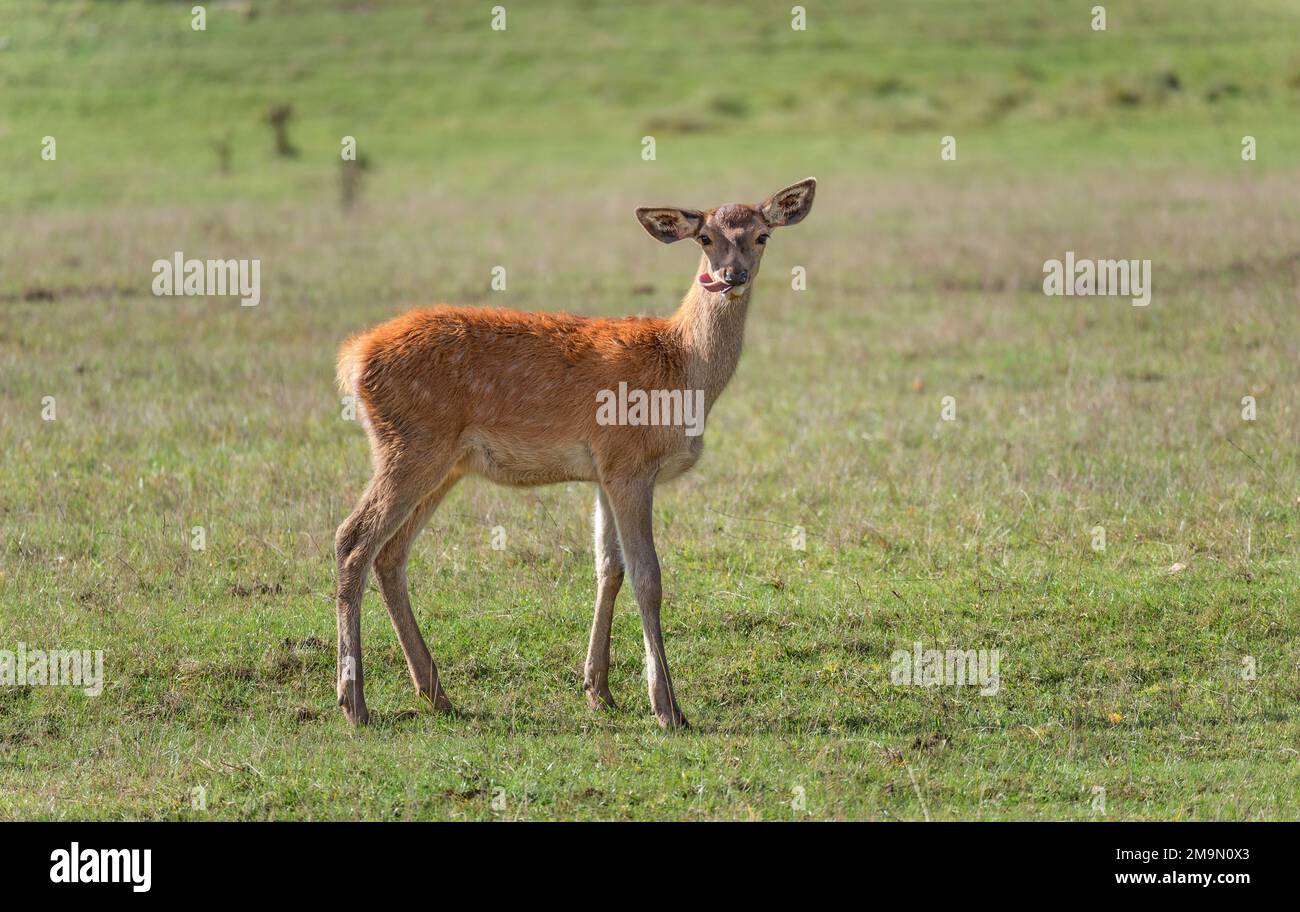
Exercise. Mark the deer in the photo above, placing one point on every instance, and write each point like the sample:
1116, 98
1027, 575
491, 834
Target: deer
445, 392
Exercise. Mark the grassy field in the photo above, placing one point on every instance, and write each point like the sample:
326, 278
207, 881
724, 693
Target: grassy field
1121, 669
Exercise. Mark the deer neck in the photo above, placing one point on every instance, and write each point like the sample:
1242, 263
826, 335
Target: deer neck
710, 327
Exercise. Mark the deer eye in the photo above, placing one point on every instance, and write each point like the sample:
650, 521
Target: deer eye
762, 238
704, 240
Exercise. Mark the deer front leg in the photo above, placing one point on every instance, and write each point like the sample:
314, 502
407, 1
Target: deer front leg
609, 577
632, 504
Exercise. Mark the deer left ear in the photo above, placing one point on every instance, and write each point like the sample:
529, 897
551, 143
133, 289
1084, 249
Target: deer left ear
789, 206
670, 225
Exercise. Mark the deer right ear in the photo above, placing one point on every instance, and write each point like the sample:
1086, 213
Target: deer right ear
670, 225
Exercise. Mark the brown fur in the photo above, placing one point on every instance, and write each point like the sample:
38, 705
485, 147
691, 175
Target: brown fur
527, 382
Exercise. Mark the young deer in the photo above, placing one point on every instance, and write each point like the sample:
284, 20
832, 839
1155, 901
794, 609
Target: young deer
447, 392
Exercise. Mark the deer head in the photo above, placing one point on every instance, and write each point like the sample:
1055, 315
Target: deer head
731, 237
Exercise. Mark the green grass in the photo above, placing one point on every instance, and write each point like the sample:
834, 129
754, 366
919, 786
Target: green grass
136, 99
523, 148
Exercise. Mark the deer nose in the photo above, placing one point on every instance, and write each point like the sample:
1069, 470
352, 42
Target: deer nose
735, 276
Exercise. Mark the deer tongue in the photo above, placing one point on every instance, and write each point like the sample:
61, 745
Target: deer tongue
709, 284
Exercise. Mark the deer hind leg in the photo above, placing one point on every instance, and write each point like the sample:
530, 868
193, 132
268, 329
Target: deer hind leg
390, 567
632, 503
393, 493
609, 577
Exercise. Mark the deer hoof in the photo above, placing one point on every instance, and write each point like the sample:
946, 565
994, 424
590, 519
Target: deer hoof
600, 698
672, 721
438, 701
354, 708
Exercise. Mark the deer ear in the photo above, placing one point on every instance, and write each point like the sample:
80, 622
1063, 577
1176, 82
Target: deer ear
670, 225
789, 206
